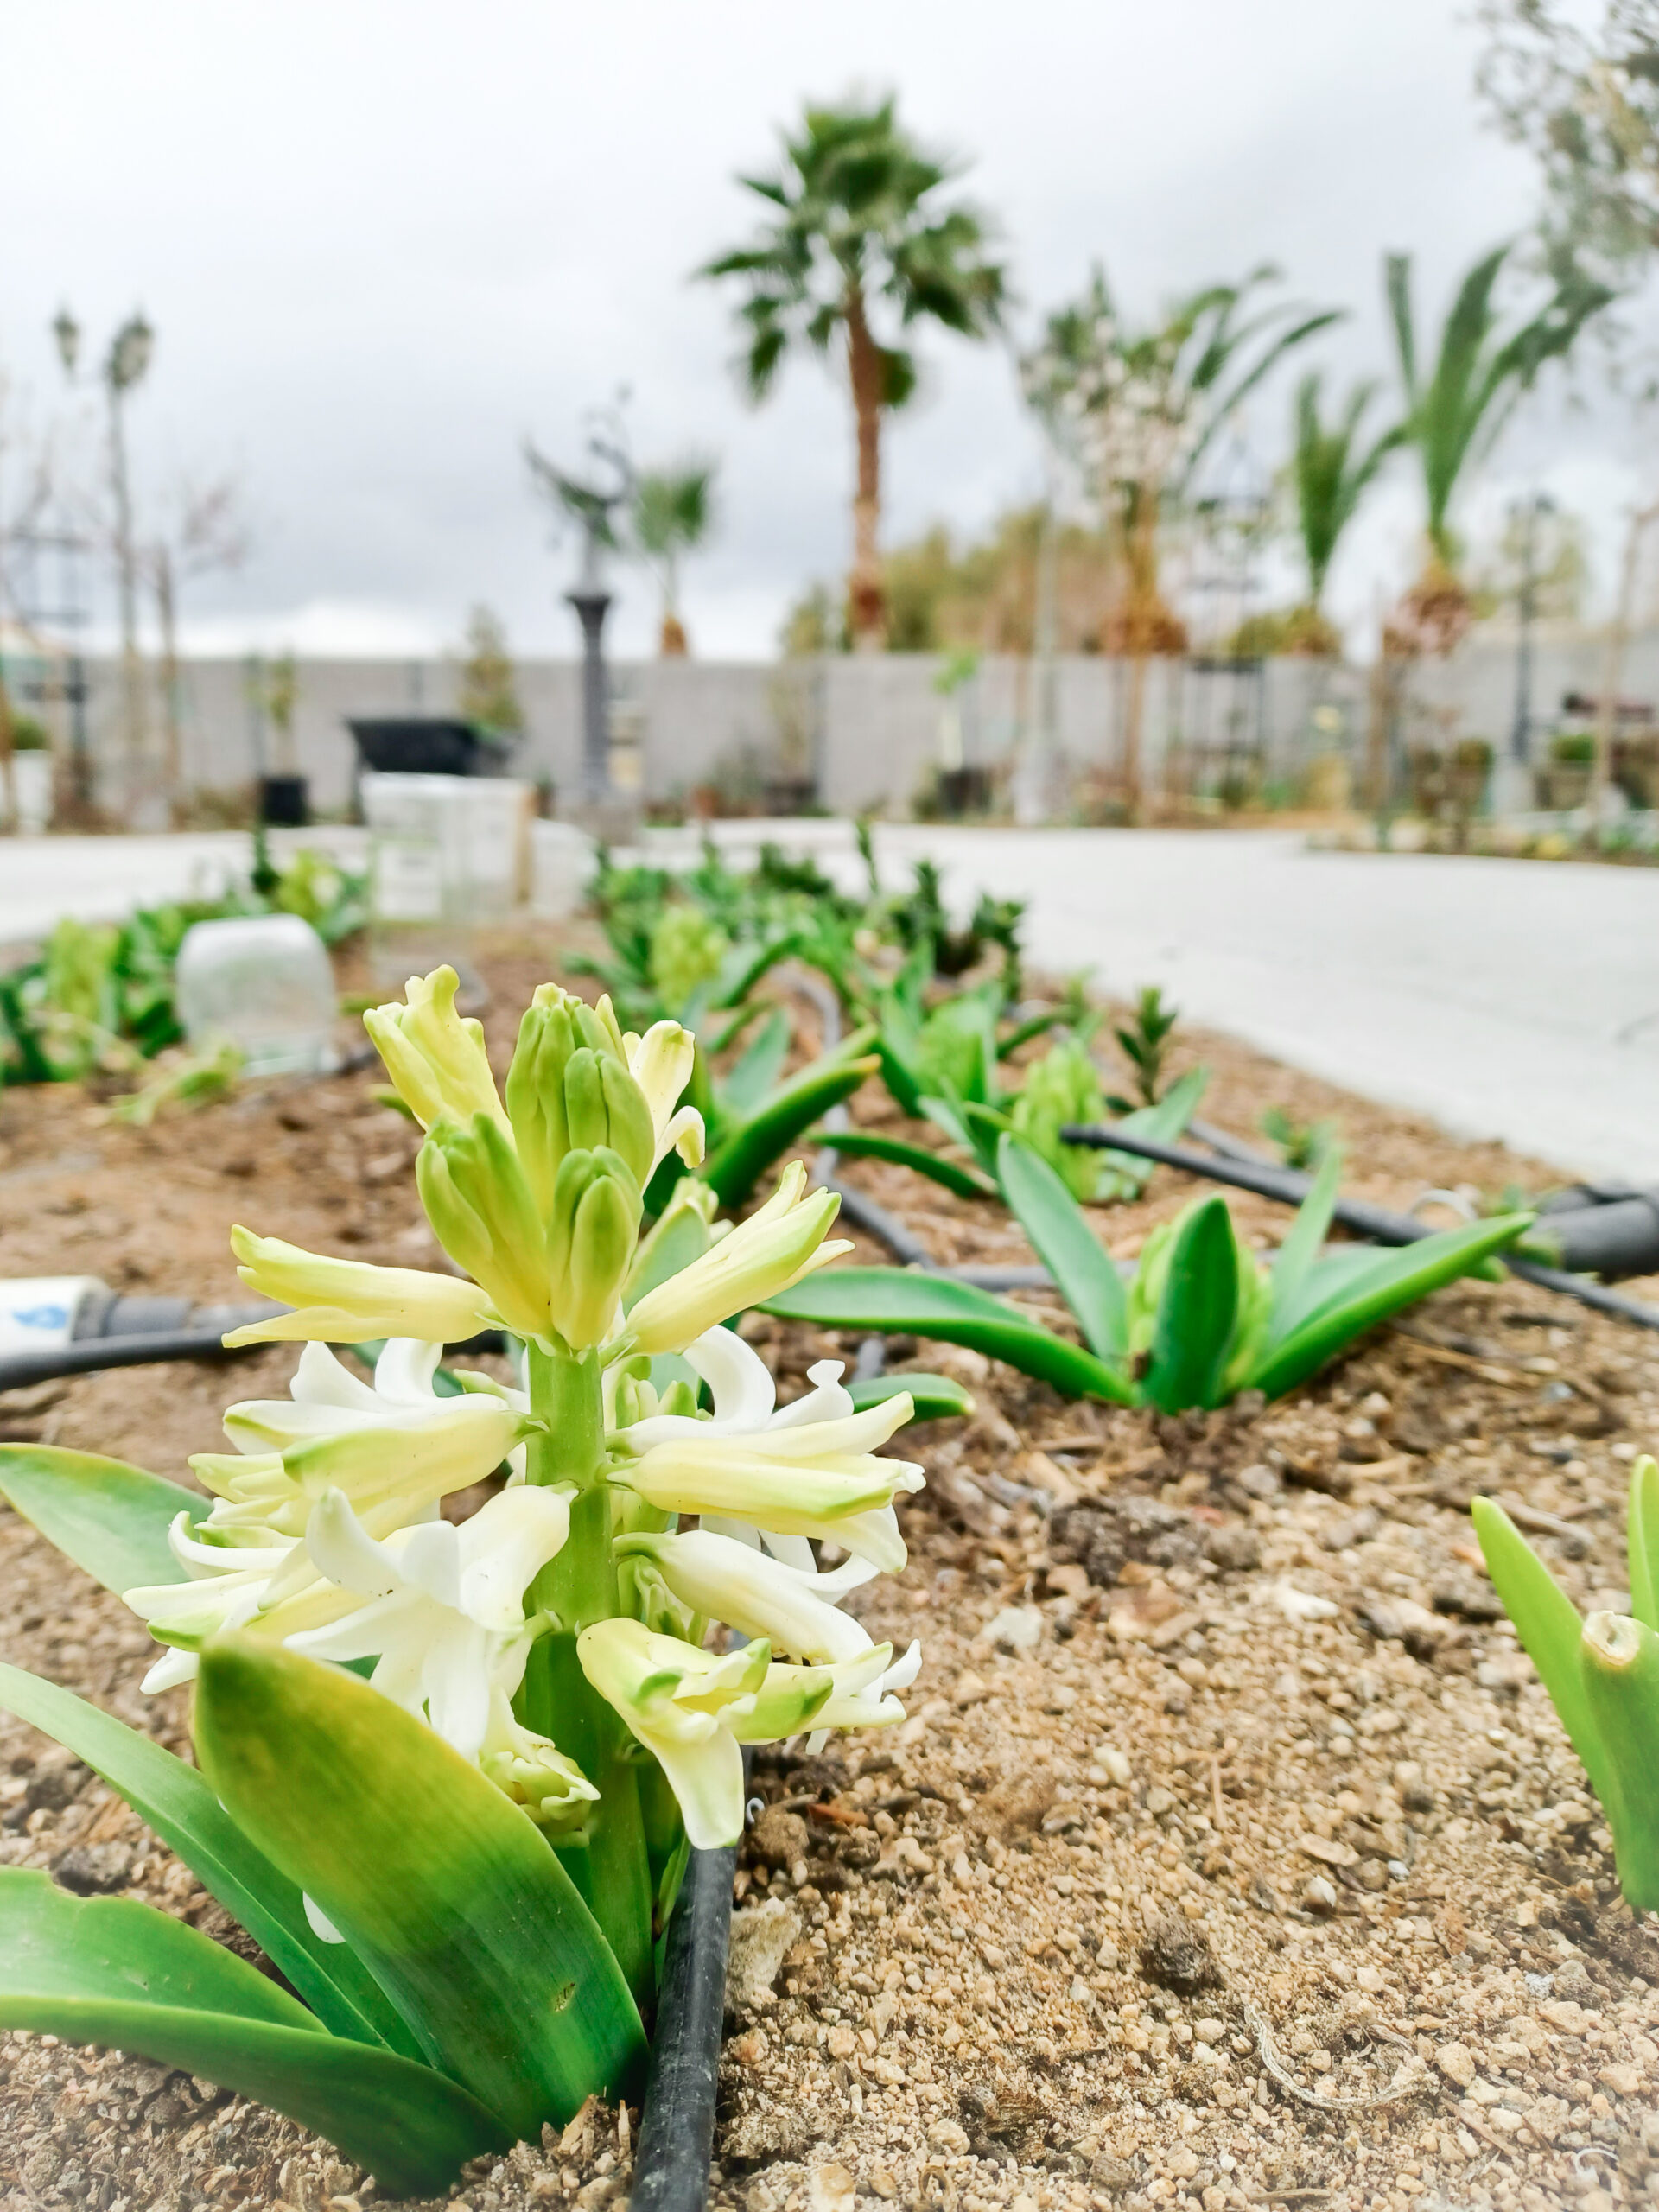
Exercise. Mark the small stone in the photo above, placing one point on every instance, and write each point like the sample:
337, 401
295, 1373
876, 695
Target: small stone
780, 1838
831, 2189
949, 2136
758, 1943
1300, 1604
1016, 1628
1625, 2081
1234, 1547
1177, 1955
843, 2041
1371, 1980
1319, 1897
1116, 1764
1111, 2175
1457, 2062
970, 1689
1331, 1853
94, 1869
882, 2184
751, 2048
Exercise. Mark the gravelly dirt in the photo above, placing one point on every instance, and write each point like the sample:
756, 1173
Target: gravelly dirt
1147, 1813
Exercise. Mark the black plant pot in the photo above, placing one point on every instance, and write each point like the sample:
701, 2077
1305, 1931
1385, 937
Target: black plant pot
284, 802
676, 2133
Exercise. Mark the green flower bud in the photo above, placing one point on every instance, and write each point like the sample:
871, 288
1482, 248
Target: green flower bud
592, 1228
480, 1204
569, 1090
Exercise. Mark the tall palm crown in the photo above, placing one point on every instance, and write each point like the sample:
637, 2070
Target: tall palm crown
1331, 468
858, 247
673, 512
1456, 409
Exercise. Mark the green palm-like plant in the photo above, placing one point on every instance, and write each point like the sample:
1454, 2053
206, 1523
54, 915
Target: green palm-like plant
673, 513
1456, 408
857, 232
1331, 468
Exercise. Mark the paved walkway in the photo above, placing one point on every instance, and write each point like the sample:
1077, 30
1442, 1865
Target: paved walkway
1504, 998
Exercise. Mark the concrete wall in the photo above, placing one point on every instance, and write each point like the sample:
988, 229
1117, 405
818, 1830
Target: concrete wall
868, 729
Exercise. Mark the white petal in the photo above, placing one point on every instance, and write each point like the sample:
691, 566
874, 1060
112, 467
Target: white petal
321, 1380
321, 1926
455, 1675
403, 1372
382, 1626
430, 1560
707, 1779
343, 1550
169, 1670
903, 1672
794, 1551
741, 1384
504, 1546
827, 1401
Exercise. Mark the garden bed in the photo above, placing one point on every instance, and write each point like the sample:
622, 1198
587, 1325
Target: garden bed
1222, 1773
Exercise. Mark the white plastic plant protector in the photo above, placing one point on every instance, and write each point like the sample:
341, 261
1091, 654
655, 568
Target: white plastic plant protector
445, 854
561, 865
265, 982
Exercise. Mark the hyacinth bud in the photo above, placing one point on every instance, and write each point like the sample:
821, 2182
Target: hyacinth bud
592, 1228
436, 1059
569, 1090
481, 1210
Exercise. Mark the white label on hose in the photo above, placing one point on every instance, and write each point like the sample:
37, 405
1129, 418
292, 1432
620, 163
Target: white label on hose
37, 1313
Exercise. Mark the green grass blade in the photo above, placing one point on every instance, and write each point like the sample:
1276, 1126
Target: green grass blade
109, 1518
1548, 1626
1645, 1542
1197, 1312
869, 1144
106, 1970
1082, 1269
447, 1892
1396, 1279
743, 970
738, 1165
899, 1301
1299, 1255
938, 1398
747, 1084
176, 1801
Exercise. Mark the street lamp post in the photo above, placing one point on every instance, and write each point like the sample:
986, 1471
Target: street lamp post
591, 507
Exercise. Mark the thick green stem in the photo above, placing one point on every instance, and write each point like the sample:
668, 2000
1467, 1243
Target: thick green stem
611, 1868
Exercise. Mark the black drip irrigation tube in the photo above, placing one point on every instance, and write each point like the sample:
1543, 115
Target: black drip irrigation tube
676, 2130
1382, 1226
134, 1332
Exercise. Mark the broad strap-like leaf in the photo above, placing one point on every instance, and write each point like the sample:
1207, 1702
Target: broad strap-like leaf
754, 1075
109, 1518
985, 1126
1547, 1623
1197, 1312
176, 1801
936, 1397
903, 1302
737, 1166
1618, 1667
1395, 1280
1644, 1539
1298, 1255
744, 965
1164, 1123
952, 1174
107, 1970
1082, 1269
447, 1891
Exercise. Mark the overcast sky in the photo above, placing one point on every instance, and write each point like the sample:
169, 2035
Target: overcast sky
383, 240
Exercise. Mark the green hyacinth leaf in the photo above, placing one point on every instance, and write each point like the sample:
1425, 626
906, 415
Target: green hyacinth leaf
935, 1396
447, 1891
1084, 1270
1619, 1671
1343, 1303
1299, 1255
109, 1518
1547, 1623
757, 1071
1643, 1530
899, 1301
734, 1168
175, 1801
109, 1971
953, 1175
1197, 1312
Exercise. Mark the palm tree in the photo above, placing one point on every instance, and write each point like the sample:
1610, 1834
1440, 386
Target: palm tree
673, 511
1330, 470
1454, 414
857, 237
1138, 411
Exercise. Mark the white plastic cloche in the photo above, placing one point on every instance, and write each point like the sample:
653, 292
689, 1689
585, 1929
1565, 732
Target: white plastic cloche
265, 982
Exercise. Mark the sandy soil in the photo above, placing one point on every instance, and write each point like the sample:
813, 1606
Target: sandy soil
1231, 1854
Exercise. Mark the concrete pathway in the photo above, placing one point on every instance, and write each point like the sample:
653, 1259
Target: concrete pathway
1504, 998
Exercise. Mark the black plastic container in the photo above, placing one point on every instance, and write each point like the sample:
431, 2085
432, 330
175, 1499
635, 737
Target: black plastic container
426, 745
284, 802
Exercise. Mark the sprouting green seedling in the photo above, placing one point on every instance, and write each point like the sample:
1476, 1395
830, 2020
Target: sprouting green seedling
1144, 1041
1201, 1319
189, 1079
1602, 1673
1064, 1088
1302, 1145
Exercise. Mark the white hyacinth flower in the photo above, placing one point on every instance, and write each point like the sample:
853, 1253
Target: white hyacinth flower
727, 1581
660, 1063
441, 1606
780, 1241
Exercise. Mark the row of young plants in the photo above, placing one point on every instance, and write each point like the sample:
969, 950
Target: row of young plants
447, 1773
97, 1000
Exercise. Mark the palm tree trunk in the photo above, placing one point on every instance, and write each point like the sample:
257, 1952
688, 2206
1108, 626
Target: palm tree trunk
865, 599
